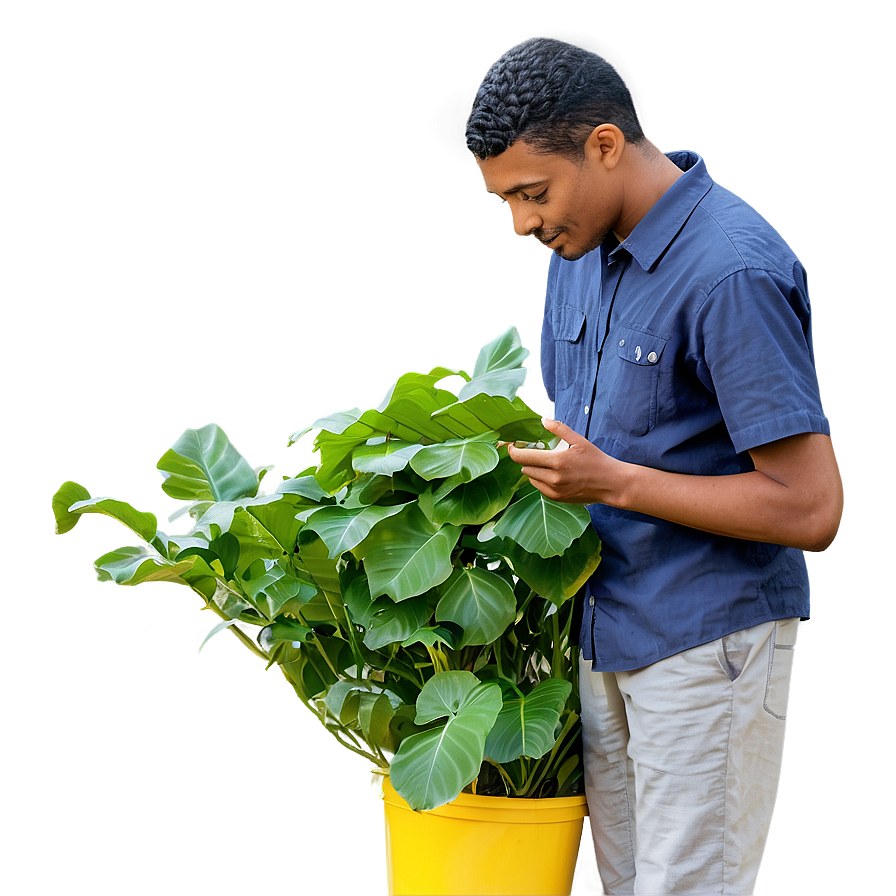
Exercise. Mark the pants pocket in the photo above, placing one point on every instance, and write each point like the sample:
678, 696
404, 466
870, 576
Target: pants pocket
780, 666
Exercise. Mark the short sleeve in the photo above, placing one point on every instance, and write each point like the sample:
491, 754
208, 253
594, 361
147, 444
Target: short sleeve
757, 357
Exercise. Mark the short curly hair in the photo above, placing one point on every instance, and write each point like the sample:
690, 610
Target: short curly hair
552, 95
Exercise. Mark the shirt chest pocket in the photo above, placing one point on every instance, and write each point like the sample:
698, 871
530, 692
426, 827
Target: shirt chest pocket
568, 324
632, 378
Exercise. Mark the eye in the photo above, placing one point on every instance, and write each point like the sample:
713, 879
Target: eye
539, 198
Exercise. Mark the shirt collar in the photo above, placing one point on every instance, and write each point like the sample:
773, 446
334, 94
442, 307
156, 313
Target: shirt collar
656, 230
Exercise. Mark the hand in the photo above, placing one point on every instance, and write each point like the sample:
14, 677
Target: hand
575, 472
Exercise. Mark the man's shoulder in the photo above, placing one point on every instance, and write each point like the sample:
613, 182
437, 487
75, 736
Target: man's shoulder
738, 236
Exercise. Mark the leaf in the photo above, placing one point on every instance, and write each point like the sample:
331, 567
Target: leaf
477, 502
342, 700
356, 595
66, 495
465, 459
134, 565
375, 712
542, 526
505, 352
342, 529
513, 420
559, 578
203, 465
384, 458
270, 587
221, 513
276, 521
498, 369
283, 631
432, 635
218, 628
143, 524
480, 602
227, 549
315, 558
526, 726
337, 423
409, 407
432, 767
406, 554
497, 382
306, 486
391, 622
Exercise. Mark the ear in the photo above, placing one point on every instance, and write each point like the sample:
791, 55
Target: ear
604, 145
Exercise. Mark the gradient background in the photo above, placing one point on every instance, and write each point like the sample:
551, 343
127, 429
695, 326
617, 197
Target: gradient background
255, 214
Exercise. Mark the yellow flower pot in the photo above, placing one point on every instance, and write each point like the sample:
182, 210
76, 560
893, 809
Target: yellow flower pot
483, 845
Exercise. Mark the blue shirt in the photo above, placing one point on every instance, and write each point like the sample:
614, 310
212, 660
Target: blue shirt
680, 349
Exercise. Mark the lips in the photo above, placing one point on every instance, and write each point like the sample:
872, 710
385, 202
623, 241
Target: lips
547, 240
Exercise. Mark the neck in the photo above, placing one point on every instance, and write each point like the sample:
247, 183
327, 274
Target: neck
647, 176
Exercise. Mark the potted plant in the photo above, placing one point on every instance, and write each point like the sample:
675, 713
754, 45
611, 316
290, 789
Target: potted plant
413, 588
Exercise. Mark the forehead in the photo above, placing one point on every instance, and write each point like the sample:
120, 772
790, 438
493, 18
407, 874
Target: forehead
520, 167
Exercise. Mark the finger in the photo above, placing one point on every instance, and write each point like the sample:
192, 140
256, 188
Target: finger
546, 489
563, 431
531, 457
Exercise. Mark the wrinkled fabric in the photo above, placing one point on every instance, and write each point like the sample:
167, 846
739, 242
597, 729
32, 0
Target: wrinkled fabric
682, 761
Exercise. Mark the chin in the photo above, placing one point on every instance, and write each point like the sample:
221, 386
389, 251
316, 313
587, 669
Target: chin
569, 254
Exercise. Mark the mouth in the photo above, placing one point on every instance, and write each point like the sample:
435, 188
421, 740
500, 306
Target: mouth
547, 240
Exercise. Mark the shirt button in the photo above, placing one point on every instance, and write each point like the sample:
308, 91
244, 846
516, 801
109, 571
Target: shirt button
621, 343
591, 601
587, 408
652, 357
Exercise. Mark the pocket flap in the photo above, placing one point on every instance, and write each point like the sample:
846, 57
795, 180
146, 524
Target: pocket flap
567, 321
639, 347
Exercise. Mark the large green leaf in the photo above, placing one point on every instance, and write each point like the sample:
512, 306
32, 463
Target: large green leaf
72, 500
480, 602
277, 520
513, 420
343, 528
526, 726
559, 578
384, 457
542, 526
66, 495
498, 369
316, 560
270, 587
135, 565
220, 514
203, 465
464, 459
391, 622
476, 502
306, 486
505, 352
409, 405
432, 767
406, 554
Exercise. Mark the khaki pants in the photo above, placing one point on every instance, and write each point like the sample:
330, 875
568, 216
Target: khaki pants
682, 760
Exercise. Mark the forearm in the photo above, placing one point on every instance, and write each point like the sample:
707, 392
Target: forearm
793, 496
747, 505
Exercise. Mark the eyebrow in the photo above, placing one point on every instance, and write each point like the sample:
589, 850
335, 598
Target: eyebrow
520, 188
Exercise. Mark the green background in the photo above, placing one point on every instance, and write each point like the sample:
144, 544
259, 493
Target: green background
239, 212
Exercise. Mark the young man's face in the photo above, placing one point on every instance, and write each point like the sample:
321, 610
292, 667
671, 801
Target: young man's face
569, 205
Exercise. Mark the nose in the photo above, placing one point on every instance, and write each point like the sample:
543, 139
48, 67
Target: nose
525, 219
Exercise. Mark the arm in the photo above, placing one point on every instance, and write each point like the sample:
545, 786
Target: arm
794, 496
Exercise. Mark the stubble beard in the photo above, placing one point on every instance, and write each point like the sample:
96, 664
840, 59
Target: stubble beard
576, 254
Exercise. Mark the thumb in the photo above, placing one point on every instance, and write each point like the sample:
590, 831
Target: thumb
570, 436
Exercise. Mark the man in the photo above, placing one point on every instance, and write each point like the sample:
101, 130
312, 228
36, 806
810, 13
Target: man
677, 349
